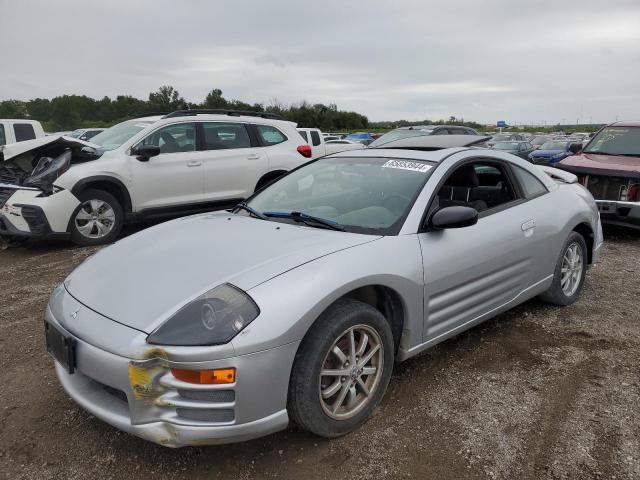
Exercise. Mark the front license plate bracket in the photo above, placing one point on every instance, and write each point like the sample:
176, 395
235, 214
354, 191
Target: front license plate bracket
61, 347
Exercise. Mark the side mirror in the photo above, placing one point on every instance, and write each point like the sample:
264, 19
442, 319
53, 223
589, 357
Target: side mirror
454, 217
575, 147
144, 152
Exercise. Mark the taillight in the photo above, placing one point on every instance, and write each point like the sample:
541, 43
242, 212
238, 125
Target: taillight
305, 151
634, 193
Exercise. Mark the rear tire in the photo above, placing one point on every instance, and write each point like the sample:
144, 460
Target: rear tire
570, 272
350, 337
97, 220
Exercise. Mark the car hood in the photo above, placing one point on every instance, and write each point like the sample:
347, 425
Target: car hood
593, 161
143, 279
7, 152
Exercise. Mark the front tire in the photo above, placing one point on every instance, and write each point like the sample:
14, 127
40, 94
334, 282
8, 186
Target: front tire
342, 369
97, 220
570, 272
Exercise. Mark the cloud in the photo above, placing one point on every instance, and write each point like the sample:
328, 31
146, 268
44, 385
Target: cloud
543, 61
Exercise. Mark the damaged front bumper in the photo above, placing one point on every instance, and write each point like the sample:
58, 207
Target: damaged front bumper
626, 214
143, 398
26, 212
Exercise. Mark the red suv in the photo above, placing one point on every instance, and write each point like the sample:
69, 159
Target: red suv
609, 166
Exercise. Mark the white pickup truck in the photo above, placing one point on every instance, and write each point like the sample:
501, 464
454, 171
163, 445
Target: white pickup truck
12, 131
320, 147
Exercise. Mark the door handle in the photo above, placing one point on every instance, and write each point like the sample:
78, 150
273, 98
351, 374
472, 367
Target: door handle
194, 163
253, 156
528, 227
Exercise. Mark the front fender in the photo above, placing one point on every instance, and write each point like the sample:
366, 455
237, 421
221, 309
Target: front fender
291, 302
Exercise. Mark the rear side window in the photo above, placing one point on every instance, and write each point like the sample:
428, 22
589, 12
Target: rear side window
3, 139
24, 131
223, 136
304, 135
531, 186
315, 138
270, 135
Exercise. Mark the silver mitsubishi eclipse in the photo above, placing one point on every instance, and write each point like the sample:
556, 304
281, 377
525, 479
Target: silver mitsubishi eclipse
295, 306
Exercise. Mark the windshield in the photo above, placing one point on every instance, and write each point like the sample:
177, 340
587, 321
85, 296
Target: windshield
363, 195
506, 146
554, 146
76, 133
115, 136
616, 141
400, 134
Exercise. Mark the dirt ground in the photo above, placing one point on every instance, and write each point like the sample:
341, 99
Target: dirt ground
540, 392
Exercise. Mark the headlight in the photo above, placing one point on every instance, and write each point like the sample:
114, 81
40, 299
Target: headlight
211, 319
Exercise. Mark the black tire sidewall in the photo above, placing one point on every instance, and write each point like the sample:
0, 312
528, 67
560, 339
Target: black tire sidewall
304, 405
77, 237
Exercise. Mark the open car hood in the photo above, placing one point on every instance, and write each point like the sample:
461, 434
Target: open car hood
38, 145
436, 142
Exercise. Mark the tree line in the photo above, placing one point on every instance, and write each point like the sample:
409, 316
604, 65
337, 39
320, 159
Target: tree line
68, 112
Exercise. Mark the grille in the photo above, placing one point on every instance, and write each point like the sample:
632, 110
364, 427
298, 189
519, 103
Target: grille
5, 193
214, 416
216, 396
607, 188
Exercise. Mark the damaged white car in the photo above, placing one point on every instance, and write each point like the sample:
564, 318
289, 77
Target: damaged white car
185, 162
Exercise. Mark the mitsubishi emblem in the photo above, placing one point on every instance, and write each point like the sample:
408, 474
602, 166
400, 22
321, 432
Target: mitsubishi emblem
74, 314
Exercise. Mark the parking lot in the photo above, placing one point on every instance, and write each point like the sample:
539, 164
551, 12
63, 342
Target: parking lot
538, 392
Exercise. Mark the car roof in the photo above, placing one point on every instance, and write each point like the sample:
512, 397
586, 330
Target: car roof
436, 142
429, 156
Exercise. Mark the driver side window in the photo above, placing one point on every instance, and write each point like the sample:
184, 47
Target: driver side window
479, 185
180, 137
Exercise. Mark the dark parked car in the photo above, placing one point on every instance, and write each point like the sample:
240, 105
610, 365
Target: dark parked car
521, 149
421, 131
609, 166
553, 151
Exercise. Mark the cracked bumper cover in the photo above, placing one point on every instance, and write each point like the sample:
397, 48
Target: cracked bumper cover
141, 397
26, 214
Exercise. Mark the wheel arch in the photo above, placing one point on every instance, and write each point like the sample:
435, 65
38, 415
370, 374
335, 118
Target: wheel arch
587, 233
108, 184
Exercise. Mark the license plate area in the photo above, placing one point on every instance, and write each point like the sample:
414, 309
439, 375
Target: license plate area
61, 347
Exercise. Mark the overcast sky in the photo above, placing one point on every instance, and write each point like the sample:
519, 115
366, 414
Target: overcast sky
519, 61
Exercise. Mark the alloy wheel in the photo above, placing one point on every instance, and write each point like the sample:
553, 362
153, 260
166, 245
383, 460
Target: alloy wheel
571, 269
351, 372
95, 219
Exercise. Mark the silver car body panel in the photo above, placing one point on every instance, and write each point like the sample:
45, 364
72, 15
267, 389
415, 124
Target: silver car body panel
445, 281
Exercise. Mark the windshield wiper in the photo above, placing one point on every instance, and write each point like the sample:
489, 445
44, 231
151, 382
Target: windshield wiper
306, 219
252, 211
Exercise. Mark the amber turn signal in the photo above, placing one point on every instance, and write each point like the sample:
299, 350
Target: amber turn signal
217, 376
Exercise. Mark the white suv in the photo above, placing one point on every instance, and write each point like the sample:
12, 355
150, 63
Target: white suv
184, 162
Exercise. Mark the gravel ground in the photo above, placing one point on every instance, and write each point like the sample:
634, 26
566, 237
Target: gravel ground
539, 392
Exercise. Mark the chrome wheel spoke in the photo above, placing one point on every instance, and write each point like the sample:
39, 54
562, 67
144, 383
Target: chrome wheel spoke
83, 215
362, 346
335, 373
351, 399
86, 229
340, 400
369, 355
340, 354
352, 347
332, 389
369, 370
363, 387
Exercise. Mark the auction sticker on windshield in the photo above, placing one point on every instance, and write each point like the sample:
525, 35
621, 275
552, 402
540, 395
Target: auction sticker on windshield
407, 165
